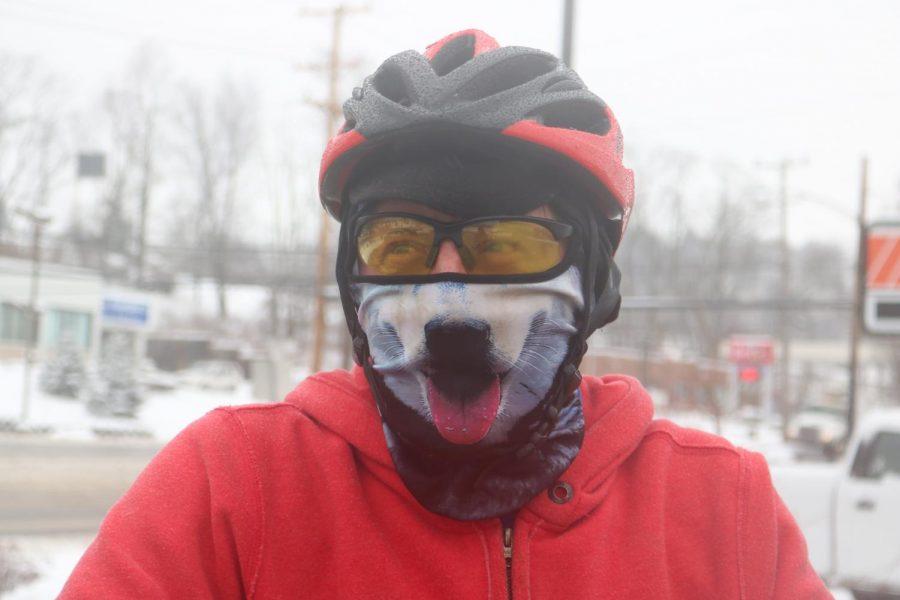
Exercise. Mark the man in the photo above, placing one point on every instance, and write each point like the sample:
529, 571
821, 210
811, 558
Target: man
482, 196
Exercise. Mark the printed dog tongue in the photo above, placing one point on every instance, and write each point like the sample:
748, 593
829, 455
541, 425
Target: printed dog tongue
464, 423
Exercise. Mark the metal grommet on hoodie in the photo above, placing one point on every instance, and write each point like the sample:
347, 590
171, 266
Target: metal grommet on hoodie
561, 492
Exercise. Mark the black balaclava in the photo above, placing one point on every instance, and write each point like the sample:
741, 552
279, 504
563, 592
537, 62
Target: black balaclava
495, 474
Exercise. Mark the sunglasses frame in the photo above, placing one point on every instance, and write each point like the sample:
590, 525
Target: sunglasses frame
452, 230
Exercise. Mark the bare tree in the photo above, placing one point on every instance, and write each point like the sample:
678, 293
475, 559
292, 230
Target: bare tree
134, 109
729, 258
115, 220
653, 253
219, 133
290, 209
700, 233
15, 77
32, 151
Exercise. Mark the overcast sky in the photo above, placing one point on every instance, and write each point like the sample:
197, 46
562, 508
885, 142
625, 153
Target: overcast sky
745, 81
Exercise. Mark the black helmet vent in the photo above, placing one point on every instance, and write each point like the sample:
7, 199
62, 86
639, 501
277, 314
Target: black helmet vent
589, 117
390, 82
562, 83
513, 72
453, 54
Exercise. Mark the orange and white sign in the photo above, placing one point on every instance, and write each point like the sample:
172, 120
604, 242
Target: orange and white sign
883, 257
881, 310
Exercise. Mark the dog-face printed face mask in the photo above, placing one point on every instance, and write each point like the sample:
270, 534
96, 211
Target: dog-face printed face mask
459, 366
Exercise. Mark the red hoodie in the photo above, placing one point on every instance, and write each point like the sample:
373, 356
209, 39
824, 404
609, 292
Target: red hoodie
301, 500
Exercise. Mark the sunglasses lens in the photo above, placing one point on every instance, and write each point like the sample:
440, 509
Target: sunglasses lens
510, 247
394, 245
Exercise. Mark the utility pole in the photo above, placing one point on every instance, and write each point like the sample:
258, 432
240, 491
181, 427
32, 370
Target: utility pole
37, 222
332, 109
783, 321
859, 292
568, 25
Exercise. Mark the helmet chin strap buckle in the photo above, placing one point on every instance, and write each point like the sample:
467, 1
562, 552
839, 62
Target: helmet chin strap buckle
574, 382
572, 377
361, 349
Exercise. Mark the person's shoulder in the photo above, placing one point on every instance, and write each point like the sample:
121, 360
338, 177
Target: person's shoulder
692, 468
706, 456
229, 428
687, 438
661, 438
323, 388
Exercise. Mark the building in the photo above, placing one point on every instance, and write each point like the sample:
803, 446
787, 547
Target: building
73, 304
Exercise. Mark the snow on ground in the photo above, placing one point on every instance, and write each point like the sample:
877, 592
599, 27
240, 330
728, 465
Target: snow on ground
162, 415
53, 556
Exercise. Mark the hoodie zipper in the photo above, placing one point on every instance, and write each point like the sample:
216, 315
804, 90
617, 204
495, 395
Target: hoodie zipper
507, 555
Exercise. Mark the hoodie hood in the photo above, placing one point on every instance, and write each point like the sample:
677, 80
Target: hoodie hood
617, 413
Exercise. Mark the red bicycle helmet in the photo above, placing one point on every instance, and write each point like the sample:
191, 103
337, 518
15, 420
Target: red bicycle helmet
467, 83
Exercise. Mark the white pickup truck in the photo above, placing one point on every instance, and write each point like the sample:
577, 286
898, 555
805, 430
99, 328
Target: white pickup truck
850, 512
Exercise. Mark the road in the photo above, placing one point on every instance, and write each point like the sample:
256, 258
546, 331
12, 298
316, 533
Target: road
61, 486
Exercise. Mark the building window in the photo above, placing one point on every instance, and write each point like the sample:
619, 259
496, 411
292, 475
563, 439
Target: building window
67, 326
14, 323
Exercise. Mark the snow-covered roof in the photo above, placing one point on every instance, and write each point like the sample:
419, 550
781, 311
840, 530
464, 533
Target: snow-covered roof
22, 266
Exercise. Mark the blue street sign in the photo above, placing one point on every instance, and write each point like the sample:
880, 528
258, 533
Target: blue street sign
132, 313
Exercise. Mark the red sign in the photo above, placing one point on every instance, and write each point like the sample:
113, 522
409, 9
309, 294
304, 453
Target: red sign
751, 350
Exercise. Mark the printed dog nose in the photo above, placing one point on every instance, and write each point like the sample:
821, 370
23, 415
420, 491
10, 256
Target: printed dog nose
457, 342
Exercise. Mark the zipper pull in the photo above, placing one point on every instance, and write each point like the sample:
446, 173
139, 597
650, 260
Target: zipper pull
507, 545
507, 554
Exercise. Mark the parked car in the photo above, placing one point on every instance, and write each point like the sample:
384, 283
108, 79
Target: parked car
818, 431
213, 374
152, 378
850, 512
